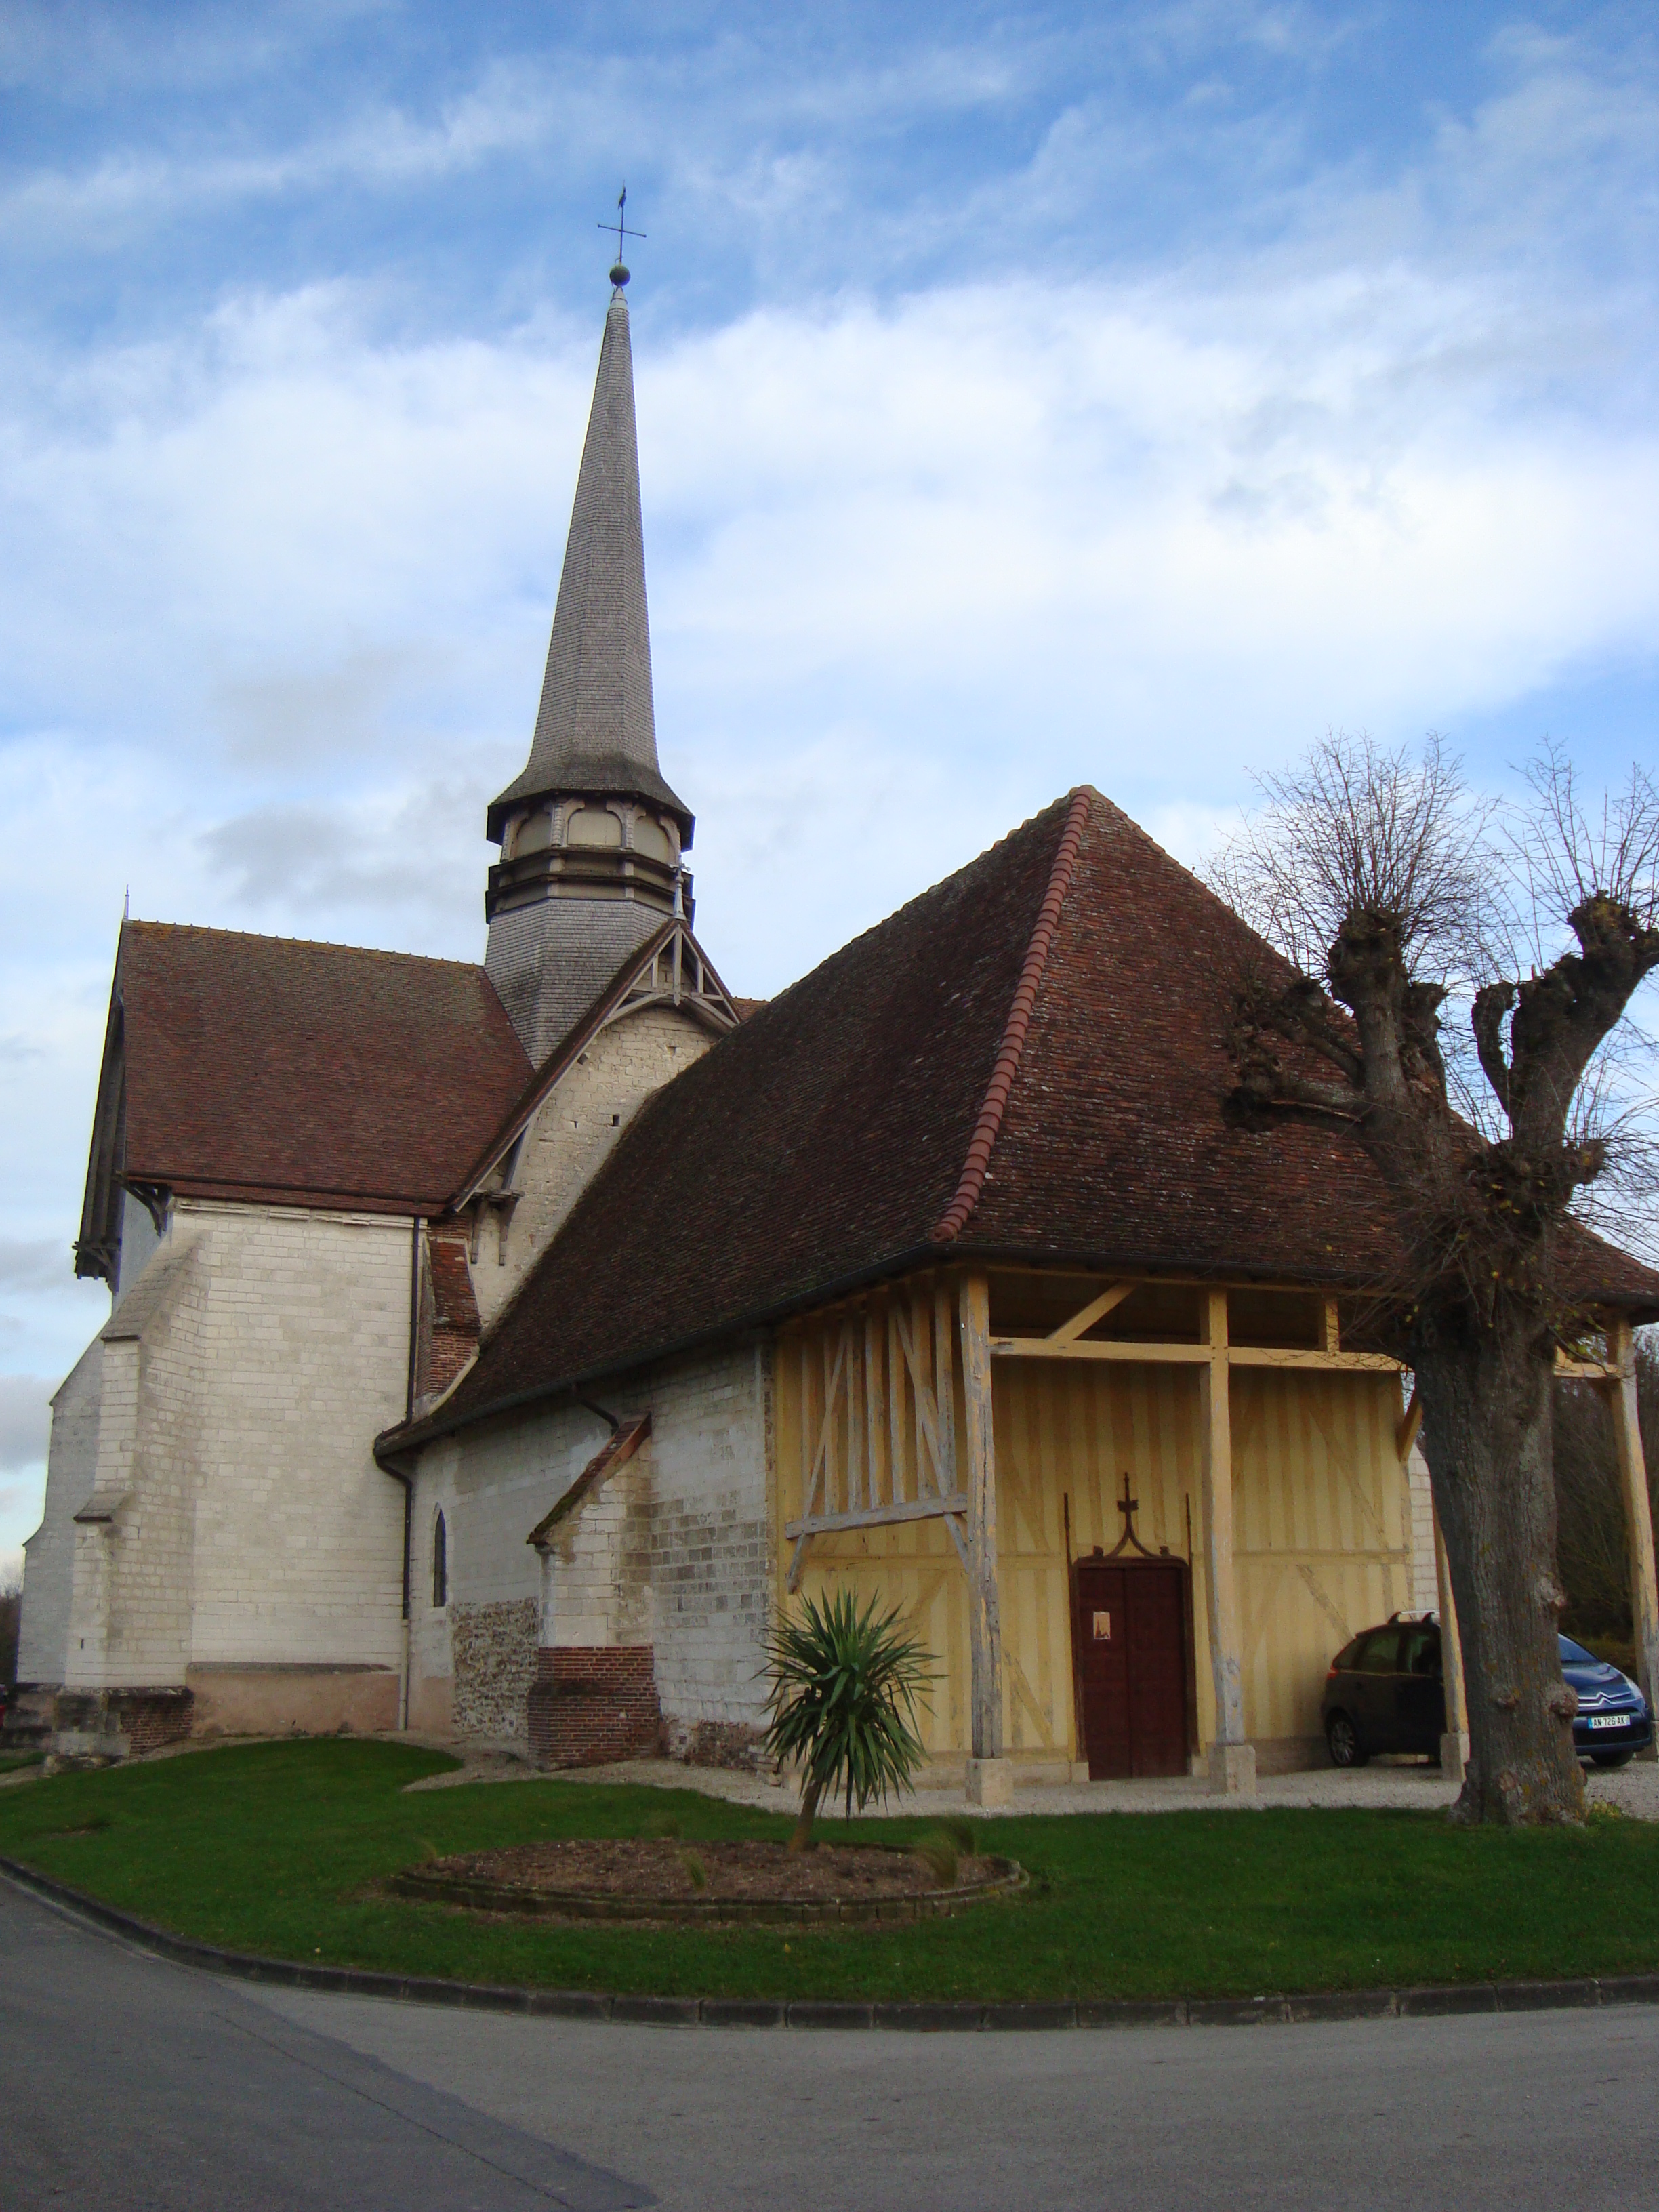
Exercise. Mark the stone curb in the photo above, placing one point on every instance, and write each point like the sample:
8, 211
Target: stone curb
923, 2016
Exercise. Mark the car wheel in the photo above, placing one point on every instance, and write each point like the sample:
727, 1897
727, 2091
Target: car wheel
1342, 1741
1612, 1758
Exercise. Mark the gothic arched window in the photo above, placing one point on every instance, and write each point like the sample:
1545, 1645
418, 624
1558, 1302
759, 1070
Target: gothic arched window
440, 1562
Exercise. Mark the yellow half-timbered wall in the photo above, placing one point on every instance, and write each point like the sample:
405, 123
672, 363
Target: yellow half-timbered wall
870, 1414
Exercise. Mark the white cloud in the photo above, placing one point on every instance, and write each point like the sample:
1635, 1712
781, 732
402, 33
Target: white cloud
24, 1420
274, 583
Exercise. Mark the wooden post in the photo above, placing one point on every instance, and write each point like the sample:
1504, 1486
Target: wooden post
1232, 1761
873, 1405
1638, 1515
944, 1392
896, 1404
990, 1775
1455, 1743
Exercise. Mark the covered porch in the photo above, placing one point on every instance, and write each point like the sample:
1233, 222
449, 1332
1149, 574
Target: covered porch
1133, 1520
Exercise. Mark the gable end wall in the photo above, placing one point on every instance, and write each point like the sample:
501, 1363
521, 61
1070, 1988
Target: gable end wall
686, 1524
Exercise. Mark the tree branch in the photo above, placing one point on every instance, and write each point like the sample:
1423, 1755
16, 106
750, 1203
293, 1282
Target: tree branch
1491, 1005
1563, 1016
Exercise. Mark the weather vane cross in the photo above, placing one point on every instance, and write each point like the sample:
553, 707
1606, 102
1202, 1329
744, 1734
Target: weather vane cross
619, 273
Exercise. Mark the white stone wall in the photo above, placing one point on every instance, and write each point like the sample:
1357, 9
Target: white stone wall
596, 1571
492, 1484
228, 1414
49, 1554
303, 1360
689, 1516
129, 1622
708, 1565
138, 1242
572, 1132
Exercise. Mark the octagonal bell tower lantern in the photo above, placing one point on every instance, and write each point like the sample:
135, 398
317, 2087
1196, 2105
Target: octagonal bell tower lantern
592, 839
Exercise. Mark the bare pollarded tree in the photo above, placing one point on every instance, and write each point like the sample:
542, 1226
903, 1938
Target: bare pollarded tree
1394, 894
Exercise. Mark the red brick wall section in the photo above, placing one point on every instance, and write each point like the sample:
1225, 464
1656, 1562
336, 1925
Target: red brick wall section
451, 1315
588, 1706
150, 1718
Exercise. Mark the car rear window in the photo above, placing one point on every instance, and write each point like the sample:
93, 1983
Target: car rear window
1376, 1652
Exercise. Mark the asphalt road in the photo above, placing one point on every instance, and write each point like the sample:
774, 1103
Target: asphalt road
128, 2083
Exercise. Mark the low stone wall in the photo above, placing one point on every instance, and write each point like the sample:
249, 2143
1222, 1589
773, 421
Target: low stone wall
119, 1723
590, 1704
733, 1744
239, 1698
493, 1649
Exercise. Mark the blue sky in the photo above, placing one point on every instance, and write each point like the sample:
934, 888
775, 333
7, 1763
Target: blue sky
1121, 392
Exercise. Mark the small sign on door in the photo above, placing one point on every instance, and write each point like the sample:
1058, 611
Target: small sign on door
1103, 1627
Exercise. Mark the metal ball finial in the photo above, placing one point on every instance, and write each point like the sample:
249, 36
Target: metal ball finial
619, 276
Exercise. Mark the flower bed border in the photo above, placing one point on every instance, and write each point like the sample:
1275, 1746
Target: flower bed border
430, 1886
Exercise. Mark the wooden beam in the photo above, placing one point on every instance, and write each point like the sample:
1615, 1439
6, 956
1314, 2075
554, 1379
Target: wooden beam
1330, 1328
895, 1402
1041, 1348
1326, 1362
1584, 1370
1638, 1515
945, 1388
1126, 1350
936, 1416
872, 1395
1216, 1438
1097, 1309
984, 1621
878, 1516
1406, 1435
859, 1400
820, 1458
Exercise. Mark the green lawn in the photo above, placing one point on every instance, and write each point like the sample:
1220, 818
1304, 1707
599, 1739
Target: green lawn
274, 1848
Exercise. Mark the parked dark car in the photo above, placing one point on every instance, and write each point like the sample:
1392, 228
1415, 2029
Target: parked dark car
1384, 1693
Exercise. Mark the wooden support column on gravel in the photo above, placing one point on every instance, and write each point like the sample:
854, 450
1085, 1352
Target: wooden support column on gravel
990, 1775
1638, 1516
1455, 1742
1232, 1761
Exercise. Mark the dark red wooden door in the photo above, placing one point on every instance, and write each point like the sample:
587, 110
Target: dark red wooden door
1130, 1646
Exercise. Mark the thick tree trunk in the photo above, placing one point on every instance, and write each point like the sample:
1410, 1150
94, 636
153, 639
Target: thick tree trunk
1486, 1439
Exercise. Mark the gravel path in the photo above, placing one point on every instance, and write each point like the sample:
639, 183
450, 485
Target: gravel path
1633, 1788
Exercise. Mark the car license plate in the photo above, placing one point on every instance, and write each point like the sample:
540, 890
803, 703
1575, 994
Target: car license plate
1610, 1720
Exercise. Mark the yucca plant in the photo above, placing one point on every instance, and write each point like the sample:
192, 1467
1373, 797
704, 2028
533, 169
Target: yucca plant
844, 1687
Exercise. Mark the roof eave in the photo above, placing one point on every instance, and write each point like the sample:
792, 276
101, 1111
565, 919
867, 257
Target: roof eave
407, 1436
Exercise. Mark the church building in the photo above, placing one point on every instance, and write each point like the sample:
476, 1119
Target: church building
494, 1349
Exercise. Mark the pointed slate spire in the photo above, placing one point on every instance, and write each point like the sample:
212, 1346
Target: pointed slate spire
594, 841
596, 730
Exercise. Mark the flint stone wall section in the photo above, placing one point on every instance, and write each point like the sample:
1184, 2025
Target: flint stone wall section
495, 1664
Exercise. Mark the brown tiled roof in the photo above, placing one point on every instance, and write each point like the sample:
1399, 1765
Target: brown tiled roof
262, 1068
837, 1132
